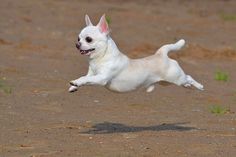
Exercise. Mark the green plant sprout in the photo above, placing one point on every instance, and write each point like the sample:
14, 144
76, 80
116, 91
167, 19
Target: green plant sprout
217, 109
228, 17
108, 19
221, 76
3, 87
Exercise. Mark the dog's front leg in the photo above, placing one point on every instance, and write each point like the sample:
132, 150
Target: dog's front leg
90, 80
74, 88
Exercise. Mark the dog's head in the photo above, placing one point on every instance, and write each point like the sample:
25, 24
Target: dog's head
92, 40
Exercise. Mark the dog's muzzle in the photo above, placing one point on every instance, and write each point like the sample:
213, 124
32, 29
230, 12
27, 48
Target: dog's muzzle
86, 51
78, 45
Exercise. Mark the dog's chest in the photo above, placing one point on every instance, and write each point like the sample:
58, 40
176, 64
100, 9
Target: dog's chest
97, 67
94, 68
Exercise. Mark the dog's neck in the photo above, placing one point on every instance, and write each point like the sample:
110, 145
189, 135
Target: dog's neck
110, 51
111, 46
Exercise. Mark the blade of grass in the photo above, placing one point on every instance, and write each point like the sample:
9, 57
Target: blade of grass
219, 110
3, 87
108, 19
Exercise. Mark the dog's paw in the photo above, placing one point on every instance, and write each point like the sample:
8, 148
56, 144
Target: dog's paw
73, 83
72, 89
200, 87
187, 85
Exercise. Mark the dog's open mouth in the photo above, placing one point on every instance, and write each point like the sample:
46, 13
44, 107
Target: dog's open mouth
86, 52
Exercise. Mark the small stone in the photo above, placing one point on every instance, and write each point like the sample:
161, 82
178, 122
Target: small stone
96, 101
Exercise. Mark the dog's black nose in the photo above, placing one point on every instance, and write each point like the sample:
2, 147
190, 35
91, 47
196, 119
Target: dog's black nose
78, 45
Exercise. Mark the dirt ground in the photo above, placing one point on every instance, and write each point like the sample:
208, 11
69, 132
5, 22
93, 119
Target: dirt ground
39, 118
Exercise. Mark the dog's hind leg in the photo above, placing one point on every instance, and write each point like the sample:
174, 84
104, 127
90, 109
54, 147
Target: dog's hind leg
191, 81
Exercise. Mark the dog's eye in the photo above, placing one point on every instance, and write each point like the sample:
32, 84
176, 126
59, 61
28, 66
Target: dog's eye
78, 39
89, 39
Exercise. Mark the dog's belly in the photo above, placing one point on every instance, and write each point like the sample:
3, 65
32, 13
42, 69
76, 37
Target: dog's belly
127, 82
123, 85
138, 73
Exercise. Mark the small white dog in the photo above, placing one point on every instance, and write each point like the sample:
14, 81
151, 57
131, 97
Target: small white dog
111, 68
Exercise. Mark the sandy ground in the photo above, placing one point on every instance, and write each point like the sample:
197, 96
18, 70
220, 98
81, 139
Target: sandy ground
39, 118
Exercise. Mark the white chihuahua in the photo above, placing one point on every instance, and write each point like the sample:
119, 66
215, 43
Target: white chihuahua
111, 68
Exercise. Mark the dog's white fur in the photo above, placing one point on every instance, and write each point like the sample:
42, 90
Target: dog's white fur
111, 68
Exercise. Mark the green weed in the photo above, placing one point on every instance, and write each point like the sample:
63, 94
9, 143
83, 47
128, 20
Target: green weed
3, 87
108, 19
221, 76
228, 17
219, 110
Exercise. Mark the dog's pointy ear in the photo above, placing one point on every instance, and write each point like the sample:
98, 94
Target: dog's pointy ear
103, 25
87, 21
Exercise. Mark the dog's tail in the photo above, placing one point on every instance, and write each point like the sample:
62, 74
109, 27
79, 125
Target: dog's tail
171, 47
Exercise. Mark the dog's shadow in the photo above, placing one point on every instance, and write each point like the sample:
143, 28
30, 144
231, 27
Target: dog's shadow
109, 128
